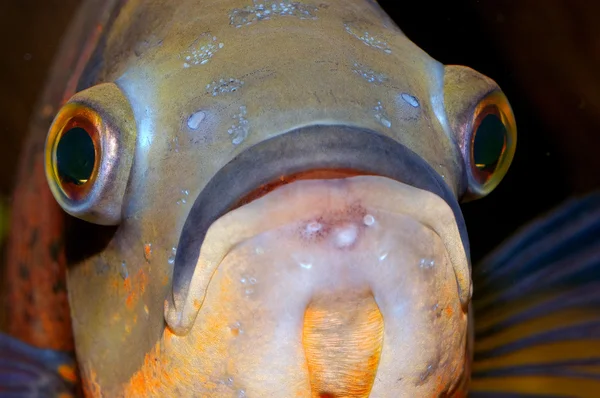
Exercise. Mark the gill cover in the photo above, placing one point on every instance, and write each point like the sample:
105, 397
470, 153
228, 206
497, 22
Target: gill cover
89, 153
483, 125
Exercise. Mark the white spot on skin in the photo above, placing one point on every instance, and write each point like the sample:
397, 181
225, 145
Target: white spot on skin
202, 52
239, 131
183, 200
410, 99
172, 256
383, 256
425, 263
368, 74
367, 38
311, 229
303, 260
369, 220
224, 86
237, 327
265, 9
381, 115
123, 271
345, 236
259, 250
195, 119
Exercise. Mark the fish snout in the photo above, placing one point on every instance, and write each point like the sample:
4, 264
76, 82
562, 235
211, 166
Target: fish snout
332, 288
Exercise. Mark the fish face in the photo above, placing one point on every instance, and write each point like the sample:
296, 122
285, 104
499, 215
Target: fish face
279, 185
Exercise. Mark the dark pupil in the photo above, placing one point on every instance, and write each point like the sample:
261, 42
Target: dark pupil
75, 156
489, 143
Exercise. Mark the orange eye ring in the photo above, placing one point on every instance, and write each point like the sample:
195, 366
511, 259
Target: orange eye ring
75, 119
89, 154
490, 145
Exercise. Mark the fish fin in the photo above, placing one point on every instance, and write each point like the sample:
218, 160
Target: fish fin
27, 371
537, 309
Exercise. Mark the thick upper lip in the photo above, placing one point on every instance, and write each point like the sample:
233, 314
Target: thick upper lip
307, 148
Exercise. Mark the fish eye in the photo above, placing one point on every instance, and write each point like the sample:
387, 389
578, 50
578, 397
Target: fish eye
75, 156
89, 152
76, 150
491, 145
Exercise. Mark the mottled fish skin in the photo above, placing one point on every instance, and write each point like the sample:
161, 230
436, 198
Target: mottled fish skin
536, 302
196, 103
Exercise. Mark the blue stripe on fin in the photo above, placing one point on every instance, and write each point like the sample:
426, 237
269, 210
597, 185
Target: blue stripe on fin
536, 306
26, 371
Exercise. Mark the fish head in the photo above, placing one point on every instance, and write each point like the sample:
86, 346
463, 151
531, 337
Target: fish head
270, 194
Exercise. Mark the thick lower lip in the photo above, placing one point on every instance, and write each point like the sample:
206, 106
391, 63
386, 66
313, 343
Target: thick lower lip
339, 286
337, 149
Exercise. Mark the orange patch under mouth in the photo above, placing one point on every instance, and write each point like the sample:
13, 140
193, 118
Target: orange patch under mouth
343, 338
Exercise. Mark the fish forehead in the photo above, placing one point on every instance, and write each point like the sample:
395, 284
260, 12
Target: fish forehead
339, 64
207, 80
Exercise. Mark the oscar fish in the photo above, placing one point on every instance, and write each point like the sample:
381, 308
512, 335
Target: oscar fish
263, 200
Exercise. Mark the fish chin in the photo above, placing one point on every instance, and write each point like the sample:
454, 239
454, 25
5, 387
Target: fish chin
332, 288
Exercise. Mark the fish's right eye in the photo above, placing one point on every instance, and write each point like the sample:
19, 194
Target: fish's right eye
89, 152
490, 144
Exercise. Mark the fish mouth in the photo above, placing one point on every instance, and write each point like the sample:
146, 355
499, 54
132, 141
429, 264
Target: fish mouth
317, 147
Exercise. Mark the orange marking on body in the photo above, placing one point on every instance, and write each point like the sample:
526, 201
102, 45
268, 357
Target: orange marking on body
449, 311
134, 288
342, 338
169, 367
91, 388
68, 373
148, 252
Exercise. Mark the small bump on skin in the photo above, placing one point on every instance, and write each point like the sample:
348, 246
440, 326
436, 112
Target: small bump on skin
369, 220
345, 236
195, 119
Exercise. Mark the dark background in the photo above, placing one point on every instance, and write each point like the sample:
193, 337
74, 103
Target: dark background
545, 56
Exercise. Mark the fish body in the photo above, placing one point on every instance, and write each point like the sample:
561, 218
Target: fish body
272, 191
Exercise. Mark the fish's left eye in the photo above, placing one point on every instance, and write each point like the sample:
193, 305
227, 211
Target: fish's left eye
89, 152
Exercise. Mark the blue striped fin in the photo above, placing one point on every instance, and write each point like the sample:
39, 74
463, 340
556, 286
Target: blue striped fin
537, 309
29, 372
